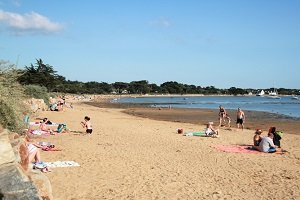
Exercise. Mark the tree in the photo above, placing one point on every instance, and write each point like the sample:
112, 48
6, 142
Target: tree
139, 87
120, 87
41, 74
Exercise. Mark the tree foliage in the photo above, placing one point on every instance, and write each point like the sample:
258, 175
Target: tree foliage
45, 76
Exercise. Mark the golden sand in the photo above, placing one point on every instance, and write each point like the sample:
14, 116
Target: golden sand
127, 157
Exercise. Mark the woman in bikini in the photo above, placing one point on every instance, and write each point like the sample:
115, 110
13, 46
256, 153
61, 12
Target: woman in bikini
257, 139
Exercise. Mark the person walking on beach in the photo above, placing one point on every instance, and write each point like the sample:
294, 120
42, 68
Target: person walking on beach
87, 124
240, 118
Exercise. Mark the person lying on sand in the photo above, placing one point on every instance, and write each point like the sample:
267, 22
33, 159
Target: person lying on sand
43, 127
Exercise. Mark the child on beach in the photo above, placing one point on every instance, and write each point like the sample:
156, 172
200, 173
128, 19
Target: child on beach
87, 124
210, 131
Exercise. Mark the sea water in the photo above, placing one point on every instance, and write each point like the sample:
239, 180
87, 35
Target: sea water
284, 105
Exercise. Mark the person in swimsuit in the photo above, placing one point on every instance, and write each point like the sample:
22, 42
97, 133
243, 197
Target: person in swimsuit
240, 118
43, 127
87, 124
257, 139
223, 115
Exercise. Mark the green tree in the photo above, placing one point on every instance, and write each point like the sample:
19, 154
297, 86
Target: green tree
41, 74
139, 87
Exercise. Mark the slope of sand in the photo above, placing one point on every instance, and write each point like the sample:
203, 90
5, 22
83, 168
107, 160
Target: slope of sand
128, 157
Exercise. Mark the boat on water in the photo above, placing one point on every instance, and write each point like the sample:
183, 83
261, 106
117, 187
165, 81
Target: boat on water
295, 97
261, 93
274, 94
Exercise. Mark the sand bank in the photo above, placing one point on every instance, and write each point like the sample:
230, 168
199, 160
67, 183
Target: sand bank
129, 157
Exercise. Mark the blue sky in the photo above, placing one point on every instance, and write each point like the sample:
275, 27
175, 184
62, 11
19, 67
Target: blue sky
221, 43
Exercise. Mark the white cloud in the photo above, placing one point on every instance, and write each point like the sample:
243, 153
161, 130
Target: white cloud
28, 23
161, 22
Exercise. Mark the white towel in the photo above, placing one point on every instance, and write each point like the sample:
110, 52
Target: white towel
62, 164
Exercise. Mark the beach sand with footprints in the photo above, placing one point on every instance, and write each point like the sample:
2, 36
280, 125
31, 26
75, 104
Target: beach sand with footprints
135, 157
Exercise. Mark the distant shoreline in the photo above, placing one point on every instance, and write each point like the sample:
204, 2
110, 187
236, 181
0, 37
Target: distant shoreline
254, 119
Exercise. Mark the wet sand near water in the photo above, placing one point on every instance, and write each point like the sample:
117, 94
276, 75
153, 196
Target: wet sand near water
254, 119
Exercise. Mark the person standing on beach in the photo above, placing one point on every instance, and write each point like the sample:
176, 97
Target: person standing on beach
222, 115
87, 124
240, 118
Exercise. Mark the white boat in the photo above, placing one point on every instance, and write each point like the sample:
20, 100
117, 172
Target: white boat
273, 94
295, 97
261, 93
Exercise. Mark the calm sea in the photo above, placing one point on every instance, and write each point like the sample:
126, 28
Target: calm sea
286, 105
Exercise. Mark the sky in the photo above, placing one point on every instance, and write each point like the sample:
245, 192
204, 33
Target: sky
221, 43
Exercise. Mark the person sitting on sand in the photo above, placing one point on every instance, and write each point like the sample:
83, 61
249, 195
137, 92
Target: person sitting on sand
87, 124
34, 155
210, 131
266, 145
277, 137
43, 126
257, 139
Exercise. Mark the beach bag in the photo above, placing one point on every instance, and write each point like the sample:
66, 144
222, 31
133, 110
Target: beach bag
61, 127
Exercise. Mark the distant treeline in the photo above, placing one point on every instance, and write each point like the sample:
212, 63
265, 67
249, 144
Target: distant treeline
45, 75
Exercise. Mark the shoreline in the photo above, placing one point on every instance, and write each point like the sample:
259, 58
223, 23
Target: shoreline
254, 119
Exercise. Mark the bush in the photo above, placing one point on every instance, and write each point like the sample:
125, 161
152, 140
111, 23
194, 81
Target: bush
12, 108
37, 92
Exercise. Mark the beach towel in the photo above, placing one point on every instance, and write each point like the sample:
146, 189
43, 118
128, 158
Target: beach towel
240, 149
199, 133
39, 132
62, 164
38, 124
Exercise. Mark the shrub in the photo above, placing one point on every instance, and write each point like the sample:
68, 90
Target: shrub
12, 108
37, 92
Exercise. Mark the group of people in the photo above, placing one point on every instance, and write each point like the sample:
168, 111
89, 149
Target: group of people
34, 155
57, 104
269, 143
266, 144
223, 116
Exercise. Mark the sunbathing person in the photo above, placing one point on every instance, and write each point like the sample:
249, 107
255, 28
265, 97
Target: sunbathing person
266, 145
35, 156
210, 131
43, 127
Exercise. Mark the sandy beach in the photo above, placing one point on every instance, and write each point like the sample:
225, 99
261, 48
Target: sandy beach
133, 157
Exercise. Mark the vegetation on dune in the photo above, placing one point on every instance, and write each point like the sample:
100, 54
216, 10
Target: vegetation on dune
37, 92
12, 108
